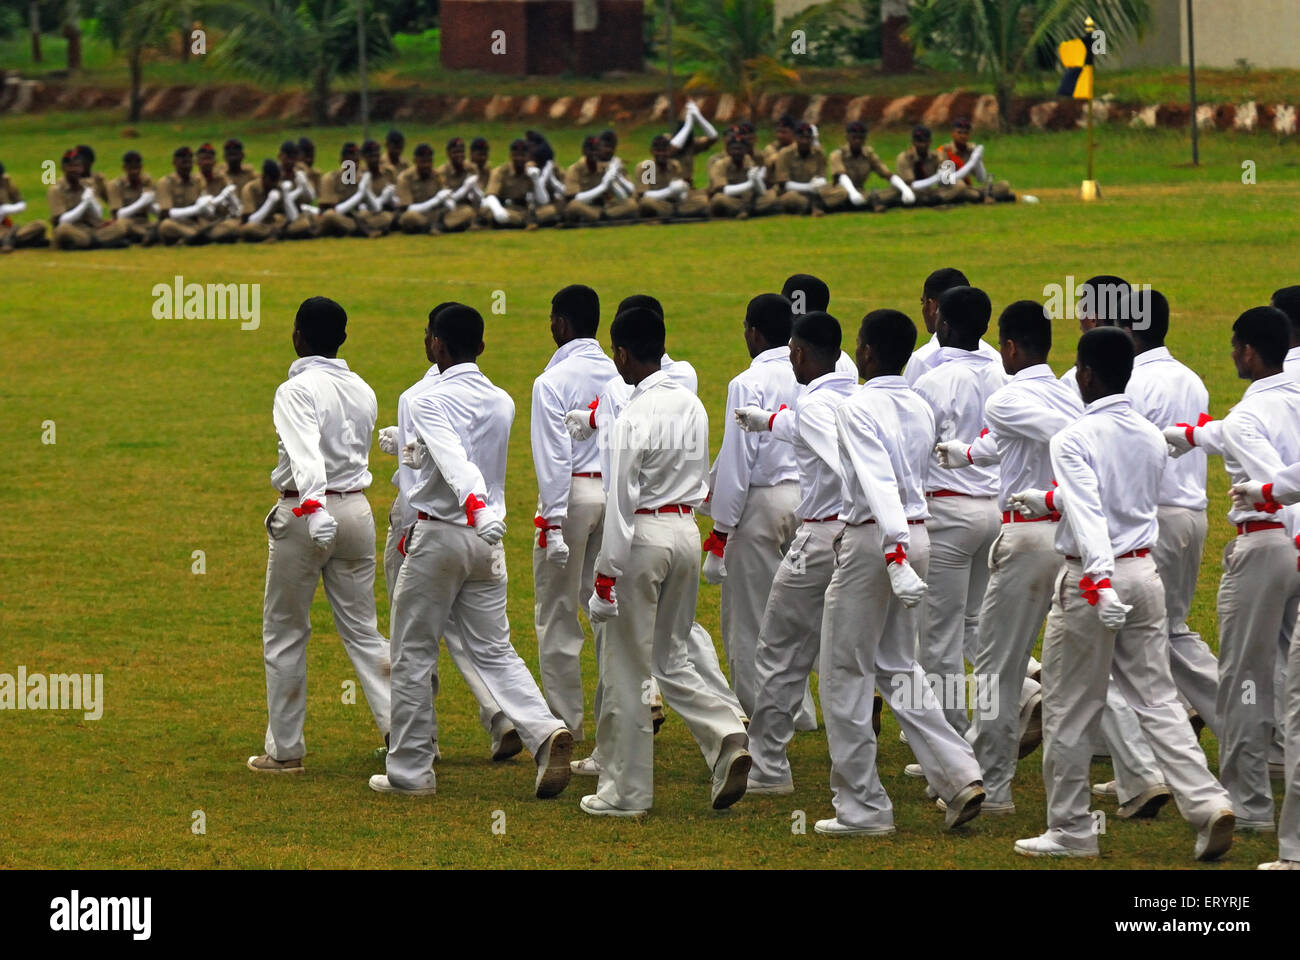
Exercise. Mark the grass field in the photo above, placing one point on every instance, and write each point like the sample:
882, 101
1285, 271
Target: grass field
164, 447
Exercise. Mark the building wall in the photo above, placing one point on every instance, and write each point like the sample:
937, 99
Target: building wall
540, 36
1261, 32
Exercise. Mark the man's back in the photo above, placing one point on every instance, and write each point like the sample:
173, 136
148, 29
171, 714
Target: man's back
957, 389
324, 413
1167, 392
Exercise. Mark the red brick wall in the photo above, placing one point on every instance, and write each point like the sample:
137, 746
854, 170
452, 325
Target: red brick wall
539, 37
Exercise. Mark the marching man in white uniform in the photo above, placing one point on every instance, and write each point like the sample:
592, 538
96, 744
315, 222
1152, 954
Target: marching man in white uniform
789, 639
885, 433
455, 566
401, 519
647, 582
322, 528
1022, 418
923, 359
1108, 613
571, 498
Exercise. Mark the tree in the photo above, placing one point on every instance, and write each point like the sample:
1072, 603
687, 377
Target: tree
34, 24
132, 27
72, 31
1003, 38
287, 40
895, 51
736, 45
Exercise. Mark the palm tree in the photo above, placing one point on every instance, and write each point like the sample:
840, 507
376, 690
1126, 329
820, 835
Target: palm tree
736, 45
1003, 38
286, 40
133, 27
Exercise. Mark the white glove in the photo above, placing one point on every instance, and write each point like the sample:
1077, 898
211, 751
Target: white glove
952, 454
322, 527
1031, 504
1176, 437
754, 419
578, 423
489, 526
415, 454
1246, 495
557, 551
1110, 610
599, 610
714, 569
817, 182
901, 186
388, 440
905, 582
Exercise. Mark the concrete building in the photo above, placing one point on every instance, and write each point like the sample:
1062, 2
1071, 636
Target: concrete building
1262, 33
542, 36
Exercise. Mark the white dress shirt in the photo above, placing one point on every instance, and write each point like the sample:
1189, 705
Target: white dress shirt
1022, 418
1167, 392
810, 427
1109, 464
1286, 485
575, 376
1292, 362
957, 387
885, 432
324, 417
753, 459
404, 477
1071, 379
1261, 436
846, 364
659, 456
614, 396
924, 358
465, 421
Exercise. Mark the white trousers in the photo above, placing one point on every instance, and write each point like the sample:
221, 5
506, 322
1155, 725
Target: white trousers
1023, 567
656, 596
490, 714
1079, 656
1288, 827
1259, 594
754, 551
294, 565
559, 593
450, 572
869, 641
962, 531
789, 642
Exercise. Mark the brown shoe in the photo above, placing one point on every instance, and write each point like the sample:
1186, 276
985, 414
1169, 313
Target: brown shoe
877, 705
268, 764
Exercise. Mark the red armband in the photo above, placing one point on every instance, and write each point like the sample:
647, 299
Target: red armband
542, 526
1188, 428
1050, 500
592, 407
1092, 591
1269, 505
308, 506
472, 505
772, 419
401, 545
715, 543
897, 555
605, 587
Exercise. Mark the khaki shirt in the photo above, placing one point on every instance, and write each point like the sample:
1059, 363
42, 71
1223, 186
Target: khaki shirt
333, 190
121, 194
100, 184
580, 177
949, 151
686, 156
244, 175
379, 180
215, 185
63, 196
912, 166
254, 195
412, 188
313, 177
511, 187
173, 192
791, 165
726, 174
857, 168
396, 169
770, 153
8, 191
648, 176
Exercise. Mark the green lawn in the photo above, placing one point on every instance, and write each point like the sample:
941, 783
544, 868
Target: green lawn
164, 447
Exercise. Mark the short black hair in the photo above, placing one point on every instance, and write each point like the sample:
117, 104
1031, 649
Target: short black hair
1151, 309
322, 322
270, 169
441, 307
131, 156
395, 136
423, 150
660, 142
305, 146
639, 331
1268, 330
769, 314
891, 335
580, 305
855, 126
87, 153
816, 295
821, 332
945, 278
519, 143
460, 328
1026, 323
640, 300
966, 310
370, 146
1108, 353
289, 148
787, 122
455, 142
1109, 295
1288, 301
478, 143
234, 143
921, 132
608, 136
347, 148
181, 151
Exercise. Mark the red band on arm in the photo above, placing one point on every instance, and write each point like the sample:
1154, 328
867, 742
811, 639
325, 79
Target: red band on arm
472, 505
308, 506
772, 418
897, 555
401, 545
1051, 500
592, 407
605, 587
1092, 591
715, 543
542, 526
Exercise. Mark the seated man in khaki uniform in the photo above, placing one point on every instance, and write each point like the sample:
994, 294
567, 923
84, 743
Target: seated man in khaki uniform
918, 166
297, 195
588, 186
509, 199
684, 147
307, 164
344, 212
12, 234
736, 185
226, 206
262, 200
233, 169
130, 200
421, 194
801, 174
93, 177
785, 137
662, 187
76, 214
465, 181
960, 151
186, 214
851, 165
394, 143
